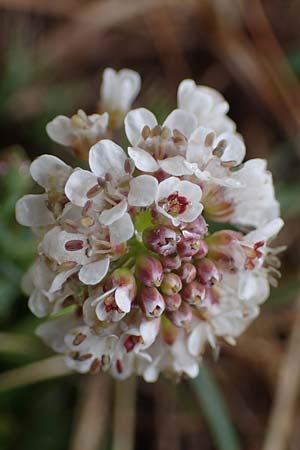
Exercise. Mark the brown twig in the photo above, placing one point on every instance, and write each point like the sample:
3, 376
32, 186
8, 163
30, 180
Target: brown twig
281, 419
91, 412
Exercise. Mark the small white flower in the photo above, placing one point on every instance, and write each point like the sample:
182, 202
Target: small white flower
35, 210
207, 104
117, 93
80, 131
155, 147
179, 200
254, 202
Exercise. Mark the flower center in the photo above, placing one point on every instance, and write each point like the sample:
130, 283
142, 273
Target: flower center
175, 204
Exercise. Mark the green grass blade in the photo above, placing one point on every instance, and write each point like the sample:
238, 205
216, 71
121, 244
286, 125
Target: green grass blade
215, 411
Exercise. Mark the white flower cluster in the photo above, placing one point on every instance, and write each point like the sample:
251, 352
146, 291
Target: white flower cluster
126, 255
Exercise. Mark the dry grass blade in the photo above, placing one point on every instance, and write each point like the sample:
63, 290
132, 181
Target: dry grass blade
124, 414
91, 412
46, 369
284, 410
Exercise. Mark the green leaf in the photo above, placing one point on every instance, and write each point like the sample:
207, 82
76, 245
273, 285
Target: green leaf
215, 411
143, 221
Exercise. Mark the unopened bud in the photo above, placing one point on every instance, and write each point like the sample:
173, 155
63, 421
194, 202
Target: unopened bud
207, 272
171, 284
189, 246
193, 293
187, 272
149, 271
181, 318
203, 250
172, 302
152, 302
171, 262
198, 227
161, 240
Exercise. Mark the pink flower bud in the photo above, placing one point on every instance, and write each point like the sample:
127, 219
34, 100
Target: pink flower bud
188, 246
187, 272
152, 302
172, 302
181, 318
197, 227
203, 250
149, 270
193, 293
171, 284
171, 262
161, 240
207, 272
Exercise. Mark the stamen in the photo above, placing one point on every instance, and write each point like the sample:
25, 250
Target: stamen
94, 191
79, 339
220, 148
145, 132
74, 245
209, 139
87, 207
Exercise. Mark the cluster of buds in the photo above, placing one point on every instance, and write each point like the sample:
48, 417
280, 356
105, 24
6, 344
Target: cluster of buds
126, 256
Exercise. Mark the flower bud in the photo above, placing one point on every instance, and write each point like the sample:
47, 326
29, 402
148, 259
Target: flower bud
172, 302
171, 284
207, 272
149, 271
187, 272
161, 240
181, 318
197, 227
152, 302
193, 293
171, 262
203, 250
189, 245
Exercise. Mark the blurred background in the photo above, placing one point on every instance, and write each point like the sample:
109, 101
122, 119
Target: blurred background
52, 55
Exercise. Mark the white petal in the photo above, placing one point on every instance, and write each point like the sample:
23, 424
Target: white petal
53, 246
191, 213
197, 151
106, 157
175, 165
142, 190
77, 186
60, 130
32, 211
149, 330
143, 160
53, 332
182, 121
135, 122
109, 216
123, 300
235, 150
167, 187
61, 278
121, 230
94, 272
119, 89
39, 304
46, 168
190, 190
197, 339
266, 232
